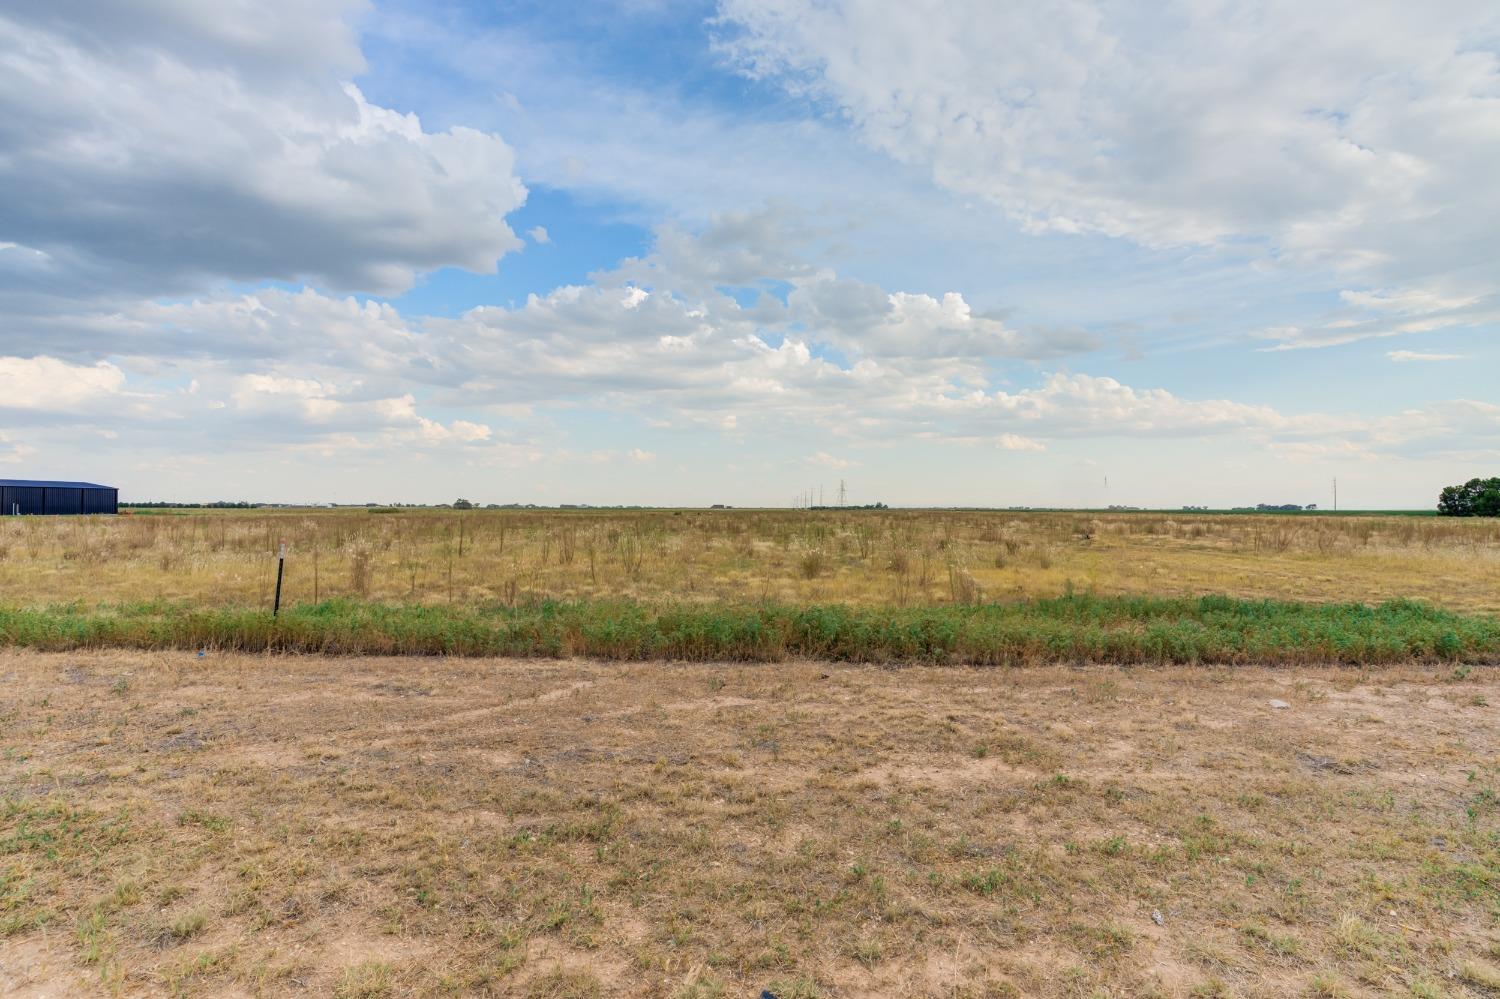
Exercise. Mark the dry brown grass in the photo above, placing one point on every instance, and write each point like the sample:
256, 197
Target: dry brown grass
271, 826
865, 557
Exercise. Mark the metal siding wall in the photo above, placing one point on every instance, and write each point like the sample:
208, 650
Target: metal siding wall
29, 498
63, 501
34, 500
100, 501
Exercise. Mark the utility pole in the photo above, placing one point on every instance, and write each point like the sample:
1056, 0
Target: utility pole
1335, 495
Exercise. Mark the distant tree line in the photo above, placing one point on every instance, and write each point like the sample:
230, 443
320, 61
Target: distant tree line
1475, 498
216, 505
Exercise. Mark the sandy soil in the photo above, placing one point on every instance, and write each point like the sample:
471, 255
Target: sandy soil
370, 827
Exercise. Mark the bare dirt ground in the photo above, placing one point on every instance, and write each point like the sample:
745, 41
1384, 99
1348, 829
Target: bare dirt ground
388, 827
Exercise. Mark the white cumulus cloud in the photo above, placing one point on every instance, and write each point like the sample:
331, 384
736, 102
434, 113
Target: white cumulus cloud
161, 145
49, 384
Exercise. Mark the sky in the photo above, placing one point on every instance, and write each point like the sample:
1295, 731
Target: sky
668, 252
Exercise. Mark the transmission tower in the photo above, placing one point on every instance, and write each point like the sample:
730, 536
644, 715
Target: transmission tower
843, 493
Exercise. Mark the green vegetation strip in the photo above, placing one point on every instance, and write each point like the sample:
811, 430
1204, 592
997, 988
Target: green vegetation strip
1068, 629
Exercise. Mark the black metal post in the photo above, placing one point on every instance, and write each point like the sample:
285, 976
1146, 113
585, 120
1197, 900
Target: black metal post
280, 565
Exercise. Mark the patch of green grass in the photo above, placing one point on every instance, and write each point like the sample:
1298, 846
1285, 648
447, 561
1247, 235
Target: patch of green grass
1114, 846
204, 820
986, 883
58, 830
1080, 628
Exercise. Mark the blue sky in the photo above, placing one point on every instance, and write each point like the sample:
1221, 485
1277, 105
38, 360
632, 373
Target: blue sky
584, 235
660, 252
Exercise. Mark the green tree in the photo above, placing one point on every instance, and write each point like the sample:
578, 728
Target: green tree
462, 504
1475, 498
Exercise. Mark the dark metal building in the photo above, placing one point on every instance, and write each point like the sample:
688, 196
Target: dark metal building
39, 496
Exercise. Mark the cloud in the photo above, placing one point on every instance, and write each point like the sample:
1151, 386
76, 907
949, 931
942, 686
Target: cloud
676, 363
1405, 356
464, 431
163, 150
539, 235
692, 367
12, 451
275, 38
222, 411
48, 384
664, 339
856, 316
823, 459
1355, 137
1015, 442
1387, 313
303, 406
841, 358
1463, 430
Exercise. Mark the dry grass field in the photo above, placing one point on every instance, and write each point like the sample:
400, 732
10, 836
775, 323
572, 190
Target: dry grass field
260, 825
901, 558
240, 825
